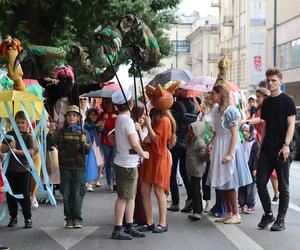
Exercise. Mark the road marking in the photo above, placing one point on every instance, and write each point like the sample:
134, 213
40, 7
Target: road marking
68, 237
294, 207
237, 237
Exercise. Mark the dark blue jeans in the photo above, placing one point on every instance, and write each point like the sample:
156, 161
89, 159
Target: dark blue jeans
109, 155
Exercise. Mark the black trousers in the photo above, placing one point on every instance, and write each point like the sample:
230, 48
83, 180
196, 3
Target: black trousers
266, 164
196, 194
19, 183
206, 188
179, 154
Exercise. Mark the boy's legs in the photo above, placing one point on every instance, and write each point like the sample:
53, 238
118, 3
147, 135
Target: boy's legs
65, 188
126, 189
12, 201
24, 182
77, 194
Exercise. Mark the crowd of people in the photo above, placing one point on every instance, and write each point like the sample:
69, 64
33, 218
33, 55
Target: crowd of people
208, 142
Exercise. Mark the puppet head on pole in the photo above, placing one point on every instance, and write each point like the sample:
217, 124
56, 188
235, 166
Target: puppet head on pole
10, 48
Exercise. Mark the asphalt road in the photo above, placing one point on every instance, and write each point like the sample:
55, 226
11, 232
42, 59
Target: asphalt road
48, 232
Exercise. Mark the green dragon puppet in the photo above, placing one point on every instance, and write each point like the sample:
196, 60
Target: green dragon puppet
127, 39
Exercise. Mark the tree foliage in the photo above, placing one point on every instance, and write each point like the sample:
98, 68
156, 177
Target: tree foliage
58, 22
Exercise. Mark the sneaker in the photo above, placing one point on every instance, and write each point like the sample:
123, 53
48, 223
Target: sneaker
187, 207
34, 203
195, 216
234, 219
207, 207
275, 201
242, 210
4, 248
12, 222
160, 229
266, 220
134, 232
250, 210
173, 208
28, 223
98, 184
77, 224
110, 187
278, 225
89, 188
146, 228
120, 235
68, 223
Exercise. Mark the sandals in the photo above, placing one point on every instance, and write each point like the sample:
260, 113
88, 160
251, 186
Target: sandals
146, 228
235, 219
223, 219
160, 229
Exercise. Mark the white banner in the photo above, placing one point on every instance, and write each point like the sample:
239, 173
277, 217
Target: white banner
257, 62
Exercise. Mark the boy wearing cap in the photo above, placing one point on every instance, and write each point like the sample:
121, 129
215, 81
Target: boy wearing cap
126, 161
72, 144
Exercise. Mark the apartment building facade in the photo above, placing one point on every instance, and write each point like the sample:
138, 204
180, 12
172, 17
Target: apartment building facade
243, 40
287, 43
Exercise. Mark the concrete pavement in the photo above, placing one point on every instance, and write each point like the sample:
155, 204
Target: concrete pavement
98, 214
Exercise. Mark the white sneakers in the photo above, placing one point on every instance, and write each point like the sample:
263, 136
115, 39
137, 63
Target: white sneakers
89, 187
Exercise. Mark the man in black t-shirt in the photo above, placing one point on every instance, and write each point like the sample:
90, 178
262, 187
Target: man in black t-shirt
278, 112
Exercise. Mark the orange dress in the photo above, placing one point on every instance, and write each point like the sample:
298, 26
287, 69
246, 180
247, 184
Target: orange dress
157, 169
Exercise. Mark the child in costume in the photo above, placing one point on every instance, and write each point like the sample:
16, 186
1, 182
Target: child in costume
126, 162
250, 145
72, 144
138, 114
18, 174
91, 125
155, 172
229, 169
196, 158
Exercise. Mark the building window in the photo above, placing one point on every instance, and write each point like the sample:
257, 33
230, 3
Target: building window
283, 56
295, 53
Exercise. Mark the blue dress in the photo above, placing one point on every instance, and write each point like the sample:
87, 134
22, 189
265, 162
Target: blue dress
236, 173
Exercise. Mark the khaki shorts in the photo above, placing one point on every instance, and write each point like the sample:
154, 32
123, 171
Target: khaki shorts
126, 179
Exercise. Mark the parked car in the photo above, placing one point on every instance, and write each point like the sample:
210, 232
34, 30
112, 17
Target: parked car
296, 138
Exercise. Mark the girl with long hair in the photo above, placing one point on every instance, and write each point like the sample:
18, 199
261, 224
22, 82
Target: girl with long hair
156, 171
229, 169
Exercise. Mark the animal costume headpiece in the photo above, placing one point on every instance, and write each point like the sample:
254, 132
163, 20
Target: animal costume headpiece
66, 71
161, 99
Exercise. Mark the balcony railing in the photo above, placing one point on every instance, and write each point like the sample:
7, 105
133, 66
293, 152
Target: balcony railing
228, 21
215, 3
213, 57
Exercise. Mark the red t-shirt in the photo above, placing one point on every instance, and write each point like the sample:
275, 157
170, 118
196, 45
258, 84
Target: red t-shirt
110, 124
259, 126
